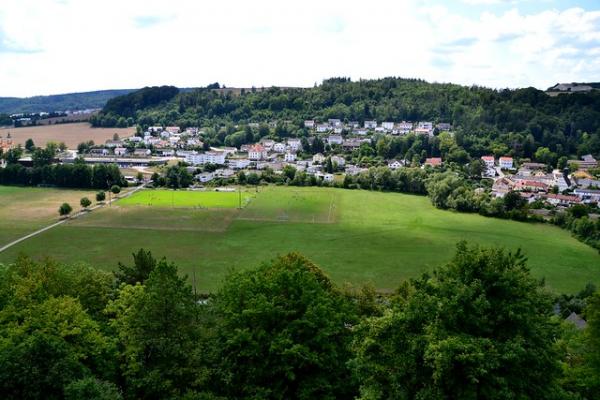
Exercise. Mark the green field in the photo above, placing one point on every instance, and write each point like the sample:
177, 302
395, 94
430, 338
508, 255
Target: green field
24, 210
356, 236
186, 198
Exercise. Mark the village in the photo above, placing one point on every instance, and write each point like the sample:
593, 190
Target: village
159, 145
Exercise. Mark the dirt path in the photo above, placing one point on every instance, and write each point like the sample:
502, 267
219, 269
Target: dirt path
77, 215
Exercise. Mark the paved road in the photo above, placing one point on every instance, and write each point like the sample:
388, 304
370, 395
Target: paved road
80, 213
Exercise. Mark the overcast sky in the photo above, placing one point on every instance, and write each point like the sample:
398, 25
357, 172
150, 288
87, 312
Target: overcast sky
58, 46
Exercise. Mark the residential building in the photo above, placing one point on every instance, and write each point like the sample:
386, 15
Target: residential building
433, 161
395, 164
370, 124
340, 161
142, 152
318, 158
173, 129
335, 139
294, 144
489, 161
309, 123
444, 126
120, 151
279, 147
289, 157
239, 163
205, 177
506, 162
257, 152
334, 122
388, 126
323, 128
209, 157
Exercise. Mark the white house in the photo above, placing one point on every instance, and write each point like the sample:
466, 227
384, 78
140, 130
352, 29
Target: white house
210, 157
257, 152
326, 177
506, 162
294, 144
173, 129
142, 152
289, 157
388, 126
395, 164
279, 147
335, 139
323, 128
404, 127
309, 123
370, 124
318, 158
334, 122
489, 161
205, 177
239, 163
340, 161
120, 151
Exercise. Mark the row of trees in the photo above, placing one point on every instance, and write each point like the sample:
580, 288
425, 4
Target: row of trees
479, 327
77, 175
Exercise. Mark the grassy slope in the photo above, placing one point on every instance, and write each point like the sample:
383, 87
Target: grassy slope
356, 236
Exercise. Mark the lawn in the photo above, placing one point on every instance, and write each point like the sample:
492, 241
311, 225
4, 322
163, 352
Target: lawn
187, 199
355, 236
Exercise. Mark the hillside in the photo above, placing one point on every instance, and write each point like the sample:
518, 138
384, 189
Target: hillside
59, 102
515, 122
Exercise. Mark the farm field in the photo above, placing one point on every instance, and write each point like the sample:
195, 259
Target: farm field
72, 134
24, 210
355, 236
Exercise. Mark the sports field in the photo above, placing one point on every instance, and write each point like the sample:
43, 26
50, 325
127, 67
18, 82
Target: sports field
187, 199
356, 236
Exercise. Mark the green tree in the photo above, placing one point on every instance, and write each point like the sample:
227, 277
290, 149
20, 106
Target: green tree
91, 388
115, 189
143, 265
283, 333
478, 328
29, 145
65, 209
85, 202
100, 196
158, 335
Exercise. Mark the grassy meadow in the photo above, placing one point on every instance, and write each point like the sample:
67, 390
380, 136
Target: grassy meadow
356, 236
24, 210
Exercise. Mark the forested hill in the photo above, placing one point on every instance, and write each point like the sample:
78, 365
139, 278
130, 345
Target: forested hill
59, 102
485, 120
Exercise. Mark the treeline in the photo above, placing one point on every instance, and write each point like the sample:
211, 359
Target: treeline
120, 111
78, 175
479, 327
59, 102
485, 120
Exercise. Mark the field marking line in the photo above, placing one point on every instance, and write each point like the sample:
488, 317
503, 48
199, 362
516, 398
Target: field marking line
77, 215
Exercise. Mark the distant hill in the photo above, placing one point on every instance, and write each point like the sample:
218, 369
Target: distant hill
59, 102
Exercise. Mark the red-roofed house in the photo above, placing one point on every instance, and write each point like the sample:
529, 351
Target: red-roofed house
533, 186
433, 161
506, 162
489, 161
562, 199
257, 152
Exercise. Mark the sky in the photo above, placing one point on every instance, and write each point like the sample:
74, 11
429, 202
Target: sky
61, 46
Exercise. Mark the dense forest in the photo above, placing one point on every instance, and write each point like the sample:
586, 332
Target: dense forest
59, 102
515, 122
479, 327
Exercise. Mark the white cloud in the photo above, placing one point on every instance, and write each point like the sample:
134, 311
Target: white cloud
86, 45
